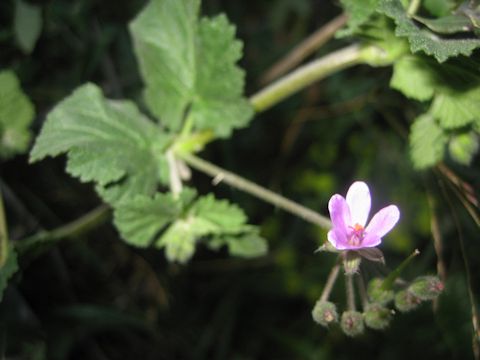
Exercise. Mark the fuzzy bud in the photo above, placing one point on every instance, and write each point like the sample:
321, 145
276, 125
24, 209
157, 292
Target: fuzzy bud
352, 323
377, 316
377, 294
426, 287
325, 313
405, 301
351, 262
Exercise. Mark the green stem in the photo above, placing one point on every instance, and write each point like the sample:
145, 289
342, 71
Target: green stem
350, 292
413, 7
72, 229
306, 75
388, 282
332, 277
221, 175
3, 234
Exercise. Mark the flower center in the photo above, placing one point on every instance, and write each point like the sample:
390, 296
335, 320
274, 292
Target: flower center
357, 235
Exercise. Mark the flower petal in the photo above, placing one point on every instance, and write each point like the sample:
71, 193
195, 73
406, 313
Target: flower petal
339, 212
381, 223
359, 201
338, 240
370, 241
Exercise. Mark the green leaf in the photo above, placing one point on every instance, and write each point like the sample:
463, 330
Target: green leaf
247, 246
223, 217
189, 67
423, 39
456, 109
109, 142
16, 114
27, 25
450, 24
359, 12
6, 272
427, 142
439, 7
463, 147
141, 219
178, 224
413, 77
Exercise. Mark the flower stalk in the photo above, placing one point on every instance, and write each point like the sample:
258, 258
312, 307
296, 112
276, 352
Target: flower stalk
332, 277
222, 175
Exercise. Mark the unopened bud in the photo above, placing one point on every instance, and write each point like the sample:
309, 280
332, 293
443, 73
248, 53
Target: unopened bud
352, 323
426, 287
405, 301
325, 313
351, 262
377, 316
377, 294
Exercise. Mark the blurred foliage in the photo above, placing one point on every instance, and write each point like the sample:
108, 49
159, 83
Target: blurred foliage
97, 298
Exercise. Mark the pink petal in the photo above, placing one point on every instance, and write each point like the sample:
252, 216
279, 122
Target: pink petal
381, 223
339, 212
358, 200
371, 240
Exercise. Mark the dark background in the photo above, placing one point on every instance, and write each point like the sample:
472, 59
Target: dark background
97, 298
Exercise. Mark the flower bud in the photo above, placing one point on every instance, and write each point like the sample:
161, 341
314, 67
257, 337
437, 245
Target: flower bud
352, 323
377, 316
325, 313
406, 301
351, 262
377, 294
426, 287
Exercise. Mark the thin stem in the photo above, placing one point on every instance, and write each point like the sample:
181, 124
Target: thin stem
332, 277
389, 281
306, 75
363, 291
3, 234
221, 175
413, 7
350, 292
305, 48
75, 228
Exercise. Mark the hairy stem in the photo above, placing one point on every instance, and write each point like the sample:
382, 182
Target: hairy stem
305, 48
413, 7
75, 228
332, 277
350, 292
221, 175
362, 290
306, 75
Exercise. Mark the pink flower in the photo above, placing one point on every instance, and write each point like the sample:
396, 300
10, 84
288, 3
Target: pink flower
349, 218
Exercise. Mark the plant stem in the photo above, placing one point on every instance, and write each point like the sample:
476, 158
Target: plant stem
306, 75
413, 7
3, 234
388, 282
350, 292
75, 228
332, 277
363, 291
305, 48
240, 183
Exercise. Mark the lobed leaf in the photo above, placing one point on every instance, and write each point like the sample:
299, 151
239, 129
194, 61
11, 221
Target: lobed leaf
178, 224
16, 114
423, 39
359, 12
413, 77
109, 142
189, 67
427, 142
